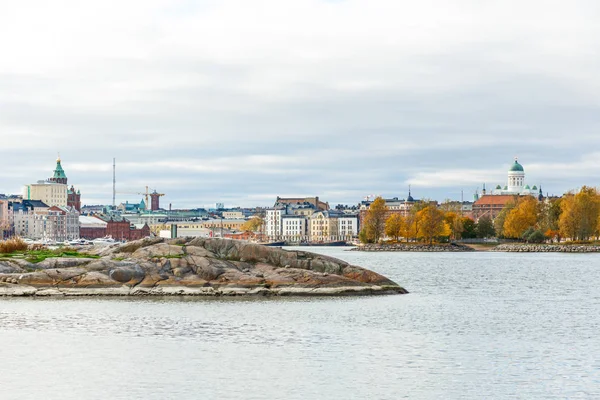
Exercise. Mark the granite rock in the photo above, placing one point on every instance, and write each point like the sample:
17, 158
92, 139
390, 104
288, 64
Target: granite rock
192, 266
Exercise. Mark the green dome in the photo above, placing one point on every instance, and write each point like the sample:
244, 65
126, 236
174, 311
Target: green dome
59, 173
505, 187
534, 187
516, 167
527, 187
498, 187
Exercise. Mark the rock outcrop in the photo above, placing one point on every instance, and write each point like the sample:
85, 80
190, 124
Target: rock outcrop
191, 266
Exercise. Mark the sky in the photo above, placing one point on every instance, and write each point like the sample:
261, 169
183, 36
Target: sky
240, 101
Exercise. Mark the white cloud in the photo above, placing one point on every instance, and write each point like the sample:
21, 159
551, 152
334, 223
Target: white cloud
270, 96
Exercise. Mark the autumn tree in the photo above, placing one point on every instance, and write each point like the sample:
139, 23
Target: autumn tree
455, 224
394, 226
579, 214
374, 221
501, 218
410, 230
254, 224
549, 215
568, 222
588, 202
431, 222
450, 206
521, 218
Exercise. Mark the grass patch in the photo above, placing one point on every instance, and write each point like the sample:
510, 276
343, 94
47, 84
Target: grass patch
36, 256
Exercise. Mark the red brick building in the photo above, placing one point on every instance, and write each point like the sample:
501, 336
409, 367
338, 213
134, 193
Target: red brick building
122, 230
490, 205
248, 235
74, 198
118, 230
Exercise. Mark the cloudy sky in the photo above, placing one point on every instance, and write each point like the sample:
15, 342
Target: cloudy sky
238, 101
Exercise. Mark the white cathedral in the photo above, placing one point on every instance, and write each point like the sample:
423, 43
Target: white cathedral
516, 184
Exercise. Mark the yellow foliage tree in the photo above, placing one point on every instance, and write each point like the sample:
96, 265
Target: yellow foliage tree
579, 214
568, 222
254, 224
431, 223
521, 218
455, 225
410, 230
374, 221
394, 226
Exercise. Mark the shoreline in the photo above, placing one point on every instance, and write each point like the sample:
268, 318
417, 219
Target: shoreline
16, 290
414, 247
475, 247
546, 248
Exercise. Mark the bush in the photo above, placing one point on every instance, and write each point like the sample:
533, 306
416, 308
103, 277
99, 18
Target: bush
12, 245
527, 233
363, 237
536, 237
533, 236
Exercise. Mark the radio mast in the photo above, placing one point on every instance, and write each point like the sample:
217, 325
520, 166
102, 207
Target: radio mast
114, 183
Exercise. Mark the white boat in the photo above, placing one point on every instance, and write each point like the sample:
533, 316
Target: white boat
107, 240
78, 242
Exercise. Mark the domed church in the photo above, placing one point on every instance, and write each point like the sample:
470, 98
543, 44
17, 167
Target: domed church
490, 204
516, 182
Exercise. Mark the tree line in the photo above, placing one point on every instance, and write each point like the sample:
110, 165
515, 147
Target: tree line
572, 217
425, 222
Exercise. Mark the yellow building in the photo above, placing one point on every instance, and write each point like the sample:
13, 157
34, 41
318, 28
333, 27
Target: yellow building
231, 224
200, 228
323, 226
51, 193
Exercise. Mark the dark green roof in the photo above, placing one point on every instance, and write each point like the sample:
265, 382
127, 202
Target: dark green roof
498, 187
59, 173
516, 167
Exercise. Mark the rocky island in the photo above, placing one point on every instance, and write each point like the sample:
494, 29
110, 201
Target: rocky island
190, 266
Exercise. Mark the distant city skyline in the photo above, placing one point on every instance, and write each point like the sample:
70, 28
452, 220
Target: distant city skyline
239, 102
129, 195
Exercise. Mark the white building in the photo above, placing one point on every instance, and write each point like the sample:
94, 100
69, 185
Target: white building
348, 226
294, 228
273, 222
515, 184
35, 220
302, 222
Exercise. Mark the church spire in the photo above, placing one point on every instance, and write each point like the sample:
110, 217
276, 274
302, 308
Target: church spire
59, 173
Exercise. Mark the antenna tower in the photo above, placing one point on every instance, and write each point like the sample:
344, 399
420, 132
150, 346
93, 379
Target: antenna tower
114, 182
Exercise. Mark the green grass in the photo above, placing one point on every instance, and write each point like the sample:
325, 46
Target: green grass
36, 256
